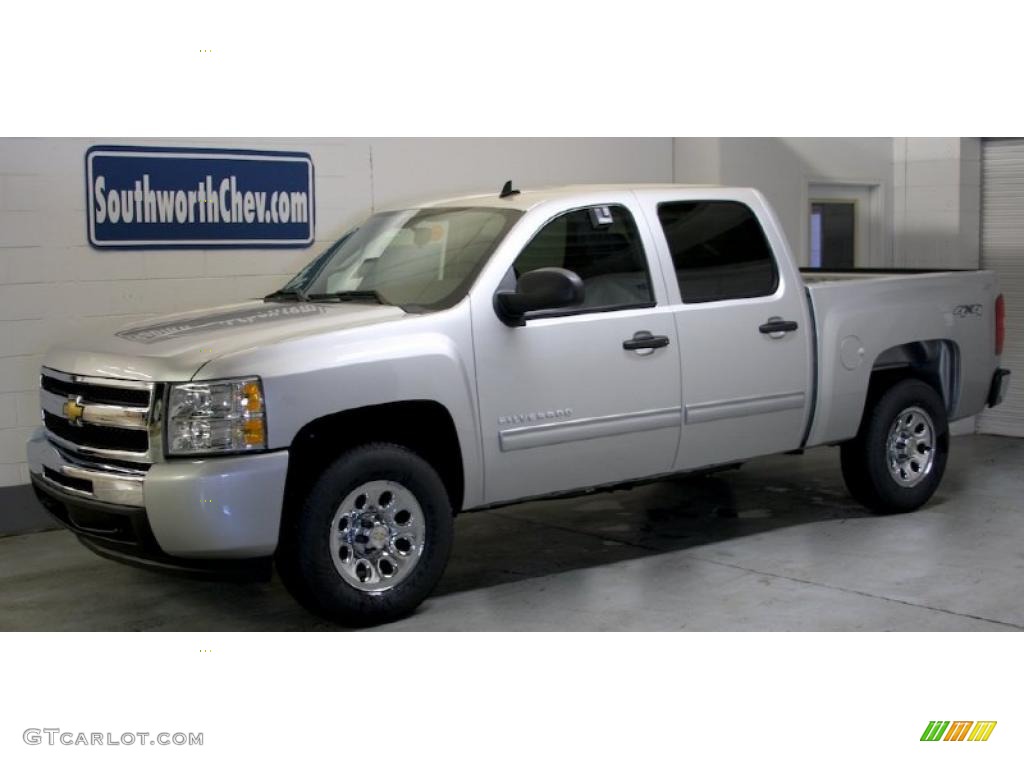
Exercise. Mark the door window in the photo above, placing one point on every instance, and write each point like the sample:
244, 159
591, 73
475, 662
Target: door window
601, 245
719, 251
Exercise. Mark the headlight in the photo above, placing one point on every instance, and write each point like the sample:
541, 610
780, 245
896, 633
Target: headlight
216, 417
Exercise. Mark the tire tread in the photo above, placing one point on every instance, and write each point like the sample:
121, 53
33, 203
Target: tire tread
305, 565
863, 458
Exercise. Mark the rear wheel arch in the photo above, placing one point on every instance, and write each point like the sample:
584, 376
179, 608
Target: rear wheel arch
935, 362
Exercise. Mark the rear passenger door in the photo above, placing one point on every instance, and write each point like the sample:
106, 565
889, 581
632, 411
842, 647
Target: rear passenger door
588, 395
744, 330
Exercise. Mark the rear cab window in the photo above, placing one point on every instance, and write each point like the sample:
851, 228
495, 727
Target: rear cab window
719, 250
601, 244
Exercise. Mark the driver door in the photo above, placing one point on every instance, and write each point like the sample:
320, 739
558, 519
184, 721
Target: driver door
566, 401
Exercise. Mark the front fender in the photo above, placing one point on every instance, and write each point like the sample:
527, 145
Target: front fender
421, 358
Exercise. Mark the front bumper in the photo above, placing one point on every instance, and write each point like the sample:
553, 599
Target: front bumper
123, 534
186, 514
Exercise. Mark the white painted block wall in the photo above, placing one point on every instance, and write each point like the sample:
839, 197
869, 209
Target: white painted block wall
930, 187
937, 205
784, 168
52, 284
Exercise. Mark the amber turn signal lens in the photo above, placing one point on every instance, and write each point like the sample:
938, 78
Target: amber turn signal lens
255, 432
252, 393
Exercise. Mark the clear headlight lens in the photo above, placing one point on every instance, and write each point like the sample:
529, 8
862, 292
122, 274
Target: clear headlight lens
216, 417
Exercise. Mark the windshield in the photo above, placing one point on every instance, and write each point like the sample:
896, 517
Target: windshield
420, 259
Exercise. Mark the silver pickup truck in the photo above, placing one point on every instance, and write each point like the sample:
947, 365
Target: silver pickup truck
472, 352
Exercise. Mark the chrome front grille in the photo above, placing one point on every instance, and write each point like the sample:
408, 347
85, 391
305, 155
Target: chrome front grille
96, 416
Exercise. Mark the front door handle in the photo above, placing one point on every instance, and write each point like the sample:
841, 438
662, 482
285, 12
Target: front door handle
643, 340
776, 327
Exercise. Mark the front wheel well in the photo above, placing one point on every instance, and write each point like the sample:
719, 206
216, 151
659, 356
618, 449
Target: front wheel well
425, 427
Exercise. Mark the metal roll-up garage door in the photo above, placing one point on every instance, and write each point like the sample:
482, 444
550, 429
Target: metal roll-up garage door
1002, 250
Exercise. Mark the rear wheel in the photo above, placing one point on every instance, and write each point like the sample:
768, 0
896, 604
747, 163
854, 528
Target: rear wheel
372, 538
898, 457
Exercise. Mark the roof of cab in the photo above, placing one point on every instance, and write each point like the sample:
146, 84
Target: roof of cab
529, 198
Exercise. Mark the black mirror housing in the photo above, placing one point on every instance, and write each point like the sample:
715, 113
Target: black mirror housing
545, 288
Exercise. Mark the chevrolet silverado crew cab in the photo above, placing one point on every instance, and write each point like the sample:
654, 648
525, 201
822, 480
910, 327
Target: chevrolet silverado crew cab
473, 352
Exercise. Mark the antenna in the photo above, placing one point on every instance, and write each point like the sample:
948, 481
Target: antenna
507, 190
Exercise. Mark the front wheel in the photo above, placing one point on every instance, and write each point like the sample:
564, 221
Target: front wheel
372, 538
898, 457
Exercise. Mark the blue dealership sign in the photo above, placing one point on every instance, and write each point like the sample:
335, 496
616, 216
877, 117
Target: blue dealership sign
159, 197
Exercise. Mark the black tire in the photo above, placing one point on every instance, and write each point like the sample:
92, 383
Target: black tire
304, 560
864, 458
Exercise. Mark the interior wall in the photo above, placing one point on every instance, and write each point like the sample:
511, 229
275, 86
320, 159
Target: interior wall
928, 199
413, 169
53, 284
937, 207
783, 169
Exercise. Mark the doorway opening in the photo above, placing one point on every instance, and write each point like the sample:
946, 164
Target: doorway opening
844, 224
833, 235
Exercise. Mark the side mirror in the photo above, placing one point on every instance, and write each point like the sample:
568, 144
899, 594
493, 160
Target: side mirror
546, 288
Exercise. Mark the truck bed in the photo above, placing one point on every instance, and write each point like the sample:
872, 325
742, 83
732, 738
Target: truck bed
870, 319
814, 275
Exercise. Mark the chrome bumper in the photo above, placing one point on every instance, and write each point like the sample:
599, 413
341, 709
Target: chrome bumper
223, 507
90, 480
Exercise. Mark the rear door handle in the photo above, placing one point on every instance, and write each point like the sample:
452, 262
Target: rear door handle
644, 340
776, 326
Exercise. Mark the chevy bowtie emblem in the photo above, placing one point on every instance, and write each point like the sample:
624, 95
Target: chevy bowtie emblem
73, 411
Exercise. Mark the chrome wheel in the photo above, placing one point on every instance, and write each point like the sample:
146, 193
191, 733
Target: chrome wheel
910, 448
377, 535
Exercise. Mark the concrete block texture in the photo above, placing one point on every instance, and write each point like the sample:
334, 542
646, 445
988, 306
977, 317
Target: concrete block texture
933, 148
937, 216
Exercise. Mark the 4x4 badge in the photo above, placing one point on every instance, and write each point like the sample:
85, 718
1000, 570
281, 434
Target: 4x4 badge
967, 310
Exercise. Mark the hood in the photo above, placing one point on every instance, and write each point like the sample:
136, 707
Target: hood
174, 347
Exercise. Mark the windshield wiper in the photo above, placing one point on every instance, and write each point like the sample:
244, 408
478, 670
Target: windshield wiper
372, 296
287, 294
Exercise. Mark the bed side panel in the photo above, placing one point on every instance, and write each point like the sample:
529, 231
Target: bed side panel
858, 320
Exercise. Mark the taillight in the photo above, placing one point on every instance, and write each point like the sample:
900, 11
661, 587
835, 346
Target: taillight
1000, 324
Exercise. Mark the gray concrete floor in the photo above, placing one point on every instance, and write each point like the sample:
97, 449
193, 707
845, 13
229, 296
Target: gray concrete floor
777, 545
